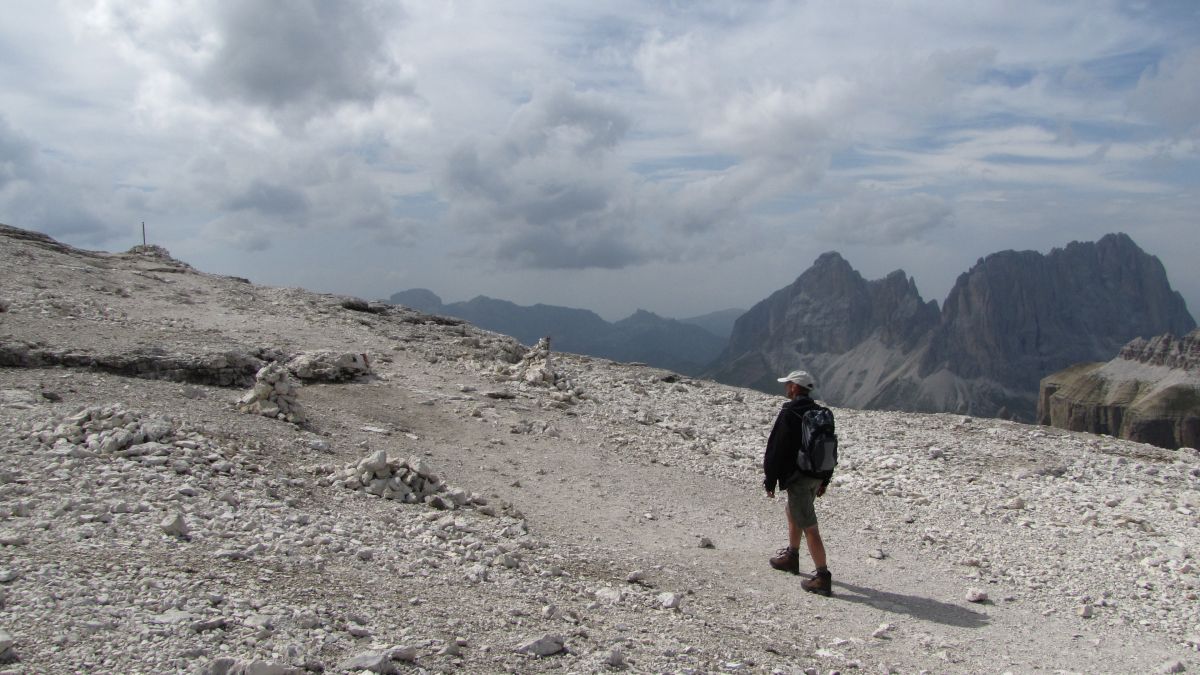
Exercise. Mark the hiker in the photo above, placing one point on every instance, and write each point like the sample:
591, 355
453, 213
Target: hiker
779, 465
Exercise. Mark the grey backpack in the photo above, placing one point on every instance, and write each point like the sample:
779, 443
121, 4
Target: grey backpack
818, 453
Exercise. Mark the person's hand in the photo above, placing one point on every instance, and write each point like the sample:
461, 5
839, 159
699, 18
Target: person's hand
821, 490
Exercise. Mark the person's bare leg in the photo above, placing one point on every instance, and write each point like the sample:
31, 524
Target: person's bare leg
816, 547
794, 533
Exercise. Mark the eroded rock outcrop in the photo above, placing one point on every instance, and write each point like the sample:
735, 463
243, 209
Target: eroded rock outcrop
1149, 393
329, 366
222, 369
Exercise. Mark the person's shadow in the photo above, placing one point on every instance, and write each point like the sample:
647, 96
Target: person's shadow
914, 606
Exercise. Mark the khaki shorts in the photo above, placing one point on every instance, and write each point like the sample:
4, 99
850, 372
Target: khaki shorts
802, 493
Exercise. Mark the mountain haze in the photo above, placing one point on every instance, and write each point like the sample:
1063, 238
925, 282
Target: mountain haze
1013, 318
719, 323
641, 337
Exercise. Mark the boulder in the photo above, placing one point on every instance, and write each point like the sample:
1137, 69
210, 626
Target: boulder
547, 645
329, 366
376, 661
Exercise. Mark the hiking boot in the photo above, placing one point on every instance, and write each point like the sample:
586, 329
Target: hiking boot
821, 582
788, 560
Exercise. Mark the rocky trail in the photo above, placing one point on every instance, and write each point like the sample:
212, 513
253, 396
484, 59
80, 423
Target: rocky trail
448, 500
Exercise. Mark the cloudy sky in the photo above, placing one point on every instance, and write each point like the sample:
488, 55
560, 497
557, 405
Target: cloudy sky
680, 157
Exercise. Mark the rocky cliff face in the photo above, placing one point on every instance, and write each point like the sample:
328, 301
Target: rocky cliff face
830, 311
1008, 321
1150, 393
1017, 316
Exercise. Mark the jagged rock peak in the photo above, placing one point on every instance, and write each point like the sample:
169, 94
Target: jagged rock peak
1018, 315
1166, 350
827, 310
831, 258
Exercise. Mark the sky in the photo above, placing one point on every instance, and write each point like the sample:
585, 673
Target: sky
680, 157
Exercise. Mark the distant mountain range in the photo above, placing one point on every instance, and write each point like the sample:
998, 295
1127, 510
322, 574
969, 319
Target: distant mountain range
686, 347
1013, 318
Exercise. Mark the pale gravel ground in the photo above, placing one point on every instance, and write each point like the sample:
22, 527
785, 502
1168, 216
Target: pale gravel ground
628, 479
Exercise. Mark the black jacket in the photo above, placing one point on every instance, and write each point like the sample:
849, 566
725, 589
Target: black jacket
779, 461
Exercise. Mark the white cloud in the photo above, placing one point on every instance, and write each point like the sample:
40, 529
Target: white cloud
1170, 94
547, 138
871, 216
548, 190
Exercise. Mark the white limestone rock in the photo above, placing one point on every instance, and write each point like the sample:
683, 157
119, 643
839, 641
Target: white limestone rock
174, 525
329, 366
609, 595
669, 600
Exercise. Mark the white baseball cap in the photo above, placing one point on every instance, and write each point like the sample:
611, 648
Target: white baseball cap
800, 378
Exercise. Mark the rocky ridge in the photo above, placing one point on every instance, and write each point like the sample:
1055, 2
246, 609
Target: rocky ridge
1013, 318
1149, 393
641, 337
146, 525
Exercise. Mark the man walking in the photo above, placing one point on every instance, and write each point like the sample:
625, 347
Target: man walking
779, 465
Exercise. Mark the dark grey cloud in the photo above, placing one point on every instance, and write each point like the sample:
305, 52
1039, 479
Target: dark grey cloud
57, 209
17, 155
546, 191
308, 195
531, 249
309, 54
39, 197
270, 200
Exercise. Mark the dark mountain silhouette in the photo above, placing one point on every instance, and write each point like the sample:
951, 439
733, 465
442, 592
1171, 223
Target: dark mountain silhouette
642, 337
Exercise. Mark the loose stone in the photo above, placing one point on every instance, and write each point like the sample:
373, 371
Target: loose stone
976, 595
547, 645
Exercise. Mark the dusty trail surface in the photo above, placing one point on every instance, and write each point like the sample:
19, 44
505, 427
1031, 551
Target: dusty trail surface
567, 501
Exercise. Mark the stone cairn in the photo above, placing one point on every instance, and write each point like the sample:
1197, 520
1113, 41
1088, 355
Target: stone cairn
410, 480
273, 395
536, 368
